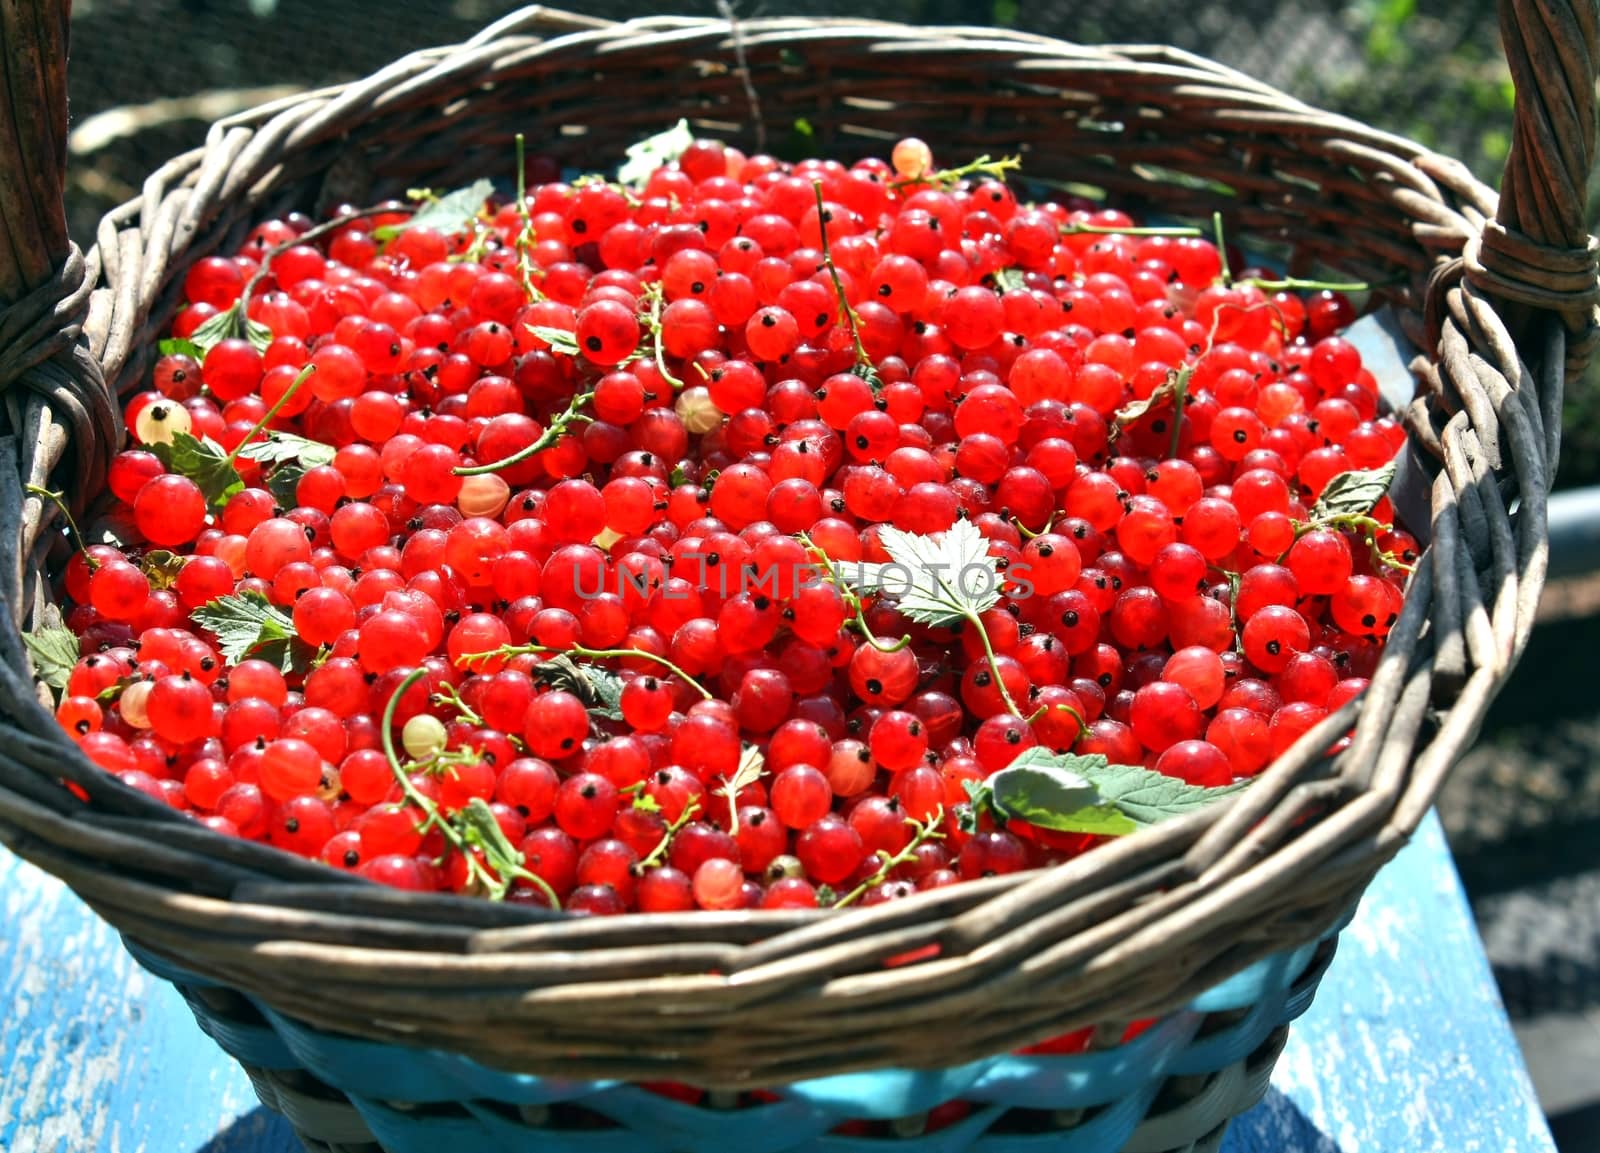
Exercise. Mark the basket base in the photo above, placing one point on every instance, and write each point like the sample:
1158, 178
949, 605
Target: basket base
1171, 1090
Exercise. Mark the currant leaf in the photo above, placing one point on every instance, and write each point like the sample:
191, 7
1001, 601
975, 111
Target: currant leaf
279, 447
229, 324
1354, 493
598, 688
654, 152
937, 579
1142, 796
203, 461
1038, 788
161, 567
751, 769
1010, 280
283, 483
176, 347
247, 624
55, 652
448, 215
559, 339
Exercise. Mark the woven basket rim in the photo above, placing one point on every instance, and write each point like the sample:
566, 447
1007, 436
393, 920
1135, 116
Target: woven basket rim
1181, 904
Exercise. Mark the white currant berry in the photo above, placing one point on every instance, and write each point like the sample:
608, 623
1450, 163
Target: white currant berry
423, 736
161, 421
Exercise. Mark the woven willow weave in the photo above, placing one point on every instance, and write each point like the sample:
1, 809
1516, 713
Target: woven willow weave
1500, 292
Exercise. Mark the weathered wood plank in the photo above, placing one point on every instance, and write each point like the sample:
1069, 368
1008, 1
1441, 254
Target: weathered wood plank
1407, 1050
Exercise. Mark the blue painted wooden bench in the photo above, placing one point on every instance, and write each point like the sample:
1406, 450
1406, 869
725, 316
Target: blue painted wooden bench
1407, 1049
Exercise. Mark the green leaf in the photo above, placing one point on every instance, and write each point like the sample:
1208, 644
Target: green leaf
447, 215
751, 769
176, 347
249, 625
161, 567
559, 339
55, 652
203, 461
1077, 793
678, 477
653, 152
1148, 797
598, 688
284, 446
230, 324
1354, 493
283, 481
937, 579
1041, 790
1010, 280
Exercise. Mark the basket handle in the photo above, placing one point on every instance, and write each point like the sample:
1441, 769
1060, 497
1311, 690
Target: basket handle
44, 289
1537, 251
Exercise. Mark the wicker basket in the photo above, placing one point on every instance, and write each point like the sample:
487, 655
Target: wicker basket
486, 1015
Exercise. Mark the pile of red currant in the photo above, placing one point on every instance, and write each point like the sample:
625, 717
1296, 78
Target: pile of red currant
502, 545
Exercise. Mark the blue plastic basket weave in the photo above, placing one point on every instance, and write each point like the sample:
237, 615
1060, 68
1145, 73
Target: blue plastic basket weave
1215, 1055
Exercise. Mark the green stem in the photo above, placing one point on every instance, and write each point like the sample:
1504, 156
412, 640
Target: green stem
1295, 284
654, 323
60, 501
1181, 231
690, 811
448, 696
288, 394
316, 232
925, 832
863, 361
557, 429
588, 654
850, 598
982, 166
509, 865
1222, 247
994, 665
1180, 395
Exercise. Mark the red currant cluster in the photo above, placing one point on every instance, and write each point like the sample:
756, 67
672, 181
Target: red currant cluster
537, 492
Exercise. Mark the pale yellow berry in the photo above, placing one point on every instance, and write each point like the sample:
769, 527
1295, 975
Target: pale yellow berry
133, 704
912, 158
423, 736
484, 495
161, 421
695, 409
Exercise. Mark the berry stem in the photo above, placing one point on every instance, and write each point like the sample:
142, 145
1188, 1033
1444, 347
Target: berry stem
315, 232
1179, 231
504, 859
750, 771
447, 696
994, 665
863, 367
266, 419
925, 831
557, 429
946, 177
850, 597
60, 501
1295, 284
690, 811
1180, 395
585, 653
653, 323
1222, 247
